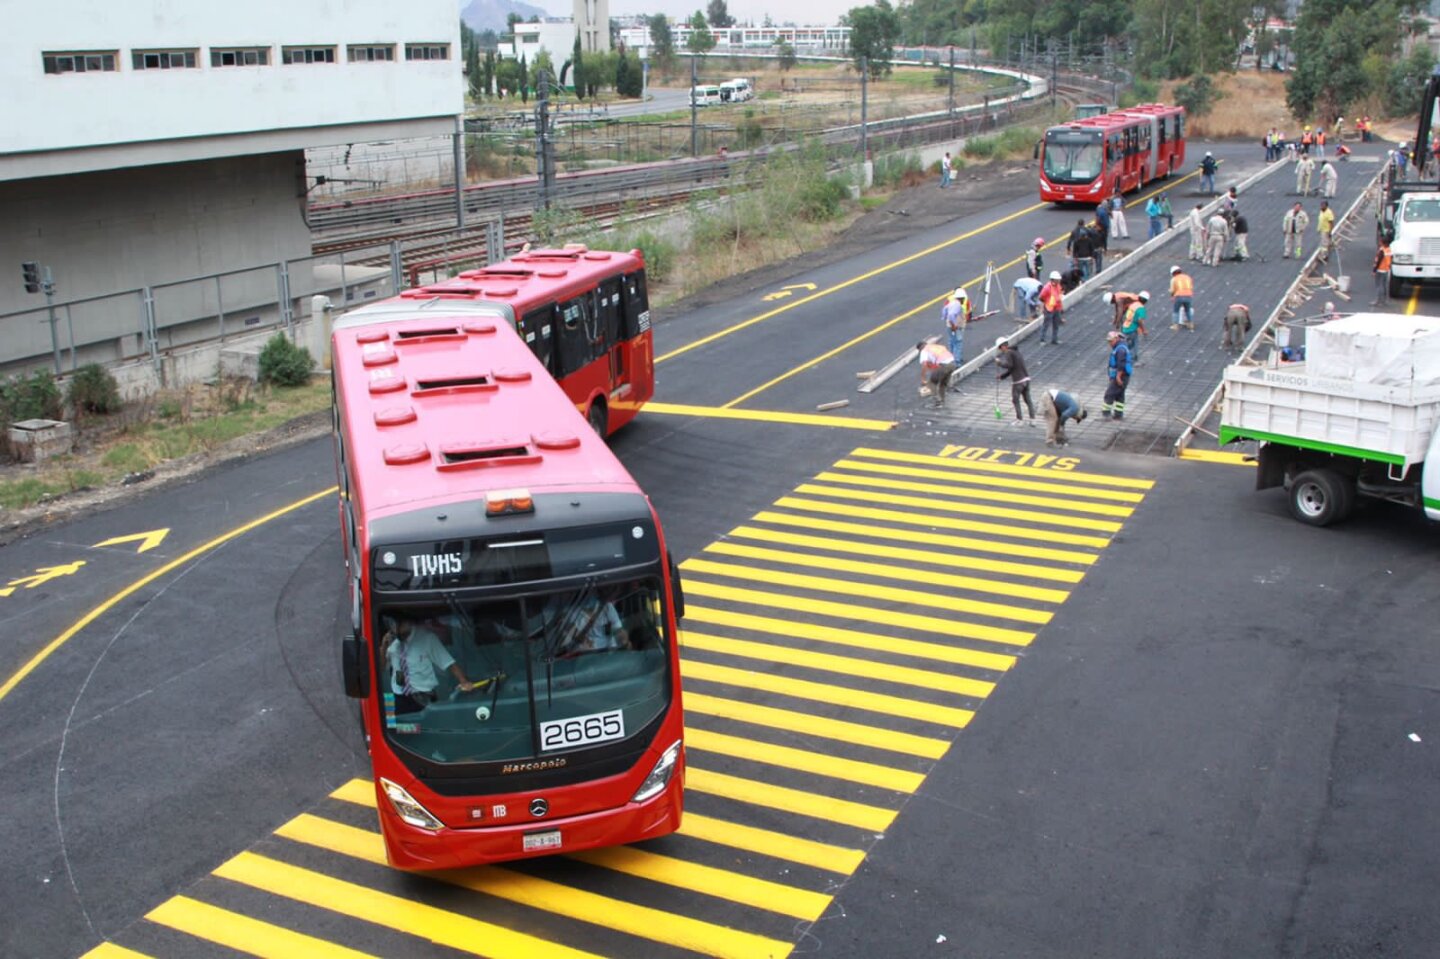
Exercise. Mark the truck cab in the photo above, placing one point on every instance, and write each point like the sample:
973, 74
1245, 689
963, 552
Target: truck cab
1414, 225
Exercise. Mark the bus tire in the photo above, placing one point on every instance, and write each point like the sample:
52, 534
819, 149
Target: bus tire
598, 418
1320, 497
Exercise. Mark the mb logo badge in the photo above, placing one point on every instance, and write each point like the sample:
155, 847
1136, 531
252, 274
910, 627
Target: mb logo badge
539, 807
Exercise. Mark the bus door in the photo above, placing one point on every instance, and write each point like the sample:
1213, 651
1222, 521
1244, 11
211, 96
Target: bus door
1150, 140
537, 329
607, 321
635, 331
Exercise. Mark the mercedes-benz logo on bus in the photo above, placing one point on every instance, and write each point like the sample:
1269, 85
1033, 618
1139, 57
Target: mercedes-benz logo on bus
539, 807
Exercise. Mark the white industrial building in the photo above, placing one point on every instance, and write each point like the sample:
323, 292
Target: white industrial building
144, 142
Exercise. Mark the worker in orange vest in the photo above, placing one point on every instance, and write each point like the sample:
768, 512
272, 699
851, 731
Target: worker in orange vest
1182, 292
1382, 273
1052, 299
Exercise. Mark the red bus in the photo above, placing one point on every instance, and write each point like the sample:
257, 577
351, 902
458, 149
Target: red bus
585, 314
1088, 160
513, 637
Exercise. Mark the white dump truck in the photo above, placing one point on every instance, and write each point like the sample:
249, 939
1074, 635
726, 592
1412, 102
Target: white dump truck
1358, 416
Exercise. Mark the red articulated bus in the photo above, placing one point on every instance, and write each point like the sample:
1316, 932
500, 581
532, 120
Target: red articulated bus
514, 639
1087, 160
585, 313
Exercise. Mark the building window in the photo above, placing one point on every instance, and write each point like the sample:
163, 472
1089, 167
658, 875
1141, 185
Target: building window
162, 59
90, 61
370, 52
239, 56
427, 51
307, 54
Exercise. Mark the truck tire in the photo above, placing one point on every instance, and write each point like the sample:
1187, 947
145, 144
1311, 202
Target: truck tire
1397, 288
1320, 497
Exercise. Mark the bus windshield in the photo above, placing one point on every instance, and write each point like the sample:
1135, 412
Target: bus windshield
551, 671
1072, 158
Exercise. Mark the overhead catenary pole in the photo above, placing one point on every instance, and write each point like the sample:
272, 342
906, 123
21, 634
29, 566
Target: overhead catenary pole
459, 161
544, 148
864, 104
694, 119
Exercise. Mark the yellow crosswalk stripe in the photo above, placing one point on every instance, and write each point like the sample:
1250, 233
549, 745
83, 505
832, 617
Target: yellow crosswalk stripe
909, 574
945, 506
361, 792
969, 492
803, 760
706, 938
853, 611
797, 801
794, 721
1006, 469
718, 883
874, 591
846, 665
244, 934
806, 852
929, 557
108, 950
975, 478
383, 909
828, 693
853, 638
930, 520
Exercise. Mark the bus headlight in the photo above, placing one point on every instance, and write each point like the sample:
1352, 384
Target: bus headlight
659, 777
408, 809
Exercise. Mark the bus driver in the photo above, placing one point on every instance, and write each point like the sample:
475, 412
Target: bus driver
416, 658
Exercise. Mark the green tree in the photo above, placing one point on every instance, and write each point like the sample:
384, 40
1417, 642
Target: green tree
1333, 39
577, 69
662, 41
701, 39
1197, 95
874, 32
629, 75
489, 71
786, 57
474, 73
524, 80
718, 15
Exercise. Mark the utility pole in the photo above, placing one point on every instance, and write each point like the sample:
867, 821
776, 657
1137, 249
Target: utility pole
459, 161
950, 105
694, 120
544, 146
1054, 75
864, 104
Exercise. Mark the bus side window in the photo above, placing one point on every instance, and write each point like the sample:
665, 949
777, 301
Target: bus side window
577, 334
607, 311
635, 305
537, 329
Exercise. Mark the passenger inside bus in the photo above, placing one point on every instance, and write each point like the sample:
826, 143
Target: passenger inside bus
417, 659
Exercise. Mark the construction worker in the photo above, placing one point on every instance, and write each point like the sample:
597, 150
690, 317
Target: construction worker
1052, 300
1207, 173
1121, 301
1294, 224
1241, 228
1025, 295
1119, 371
1118, 226
1034, 262
1217, 233
1304, 170
1329, 179
1012, 365
1325, 226
1381, 270
1182, 293
1196, 221
1060, 406
1237, 324
1133, 326
956, 314
936, 365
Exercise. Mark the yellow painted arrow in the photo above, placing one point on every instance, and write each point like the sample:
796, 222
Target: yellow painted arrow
148, 540
785, 291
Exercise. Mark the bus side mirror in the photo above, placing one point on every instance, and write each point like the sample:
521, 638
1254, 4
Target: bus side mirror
354, 666
679, 590
1036, 154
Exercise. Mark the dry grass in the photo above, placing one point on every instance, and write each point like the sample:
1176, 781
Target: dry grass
1253, 102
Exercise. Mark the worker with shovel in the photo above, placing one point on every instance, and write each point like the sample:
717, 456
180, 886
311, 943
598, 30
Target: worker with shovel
1060, 406
1012, 365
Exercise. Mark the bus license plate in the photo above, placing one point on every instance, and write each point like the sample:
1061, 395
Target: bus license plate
542, 840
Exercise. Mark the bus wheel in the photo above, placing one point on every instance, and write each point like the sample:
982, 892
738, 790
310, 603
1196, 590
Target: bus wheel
1320, 497
597, 418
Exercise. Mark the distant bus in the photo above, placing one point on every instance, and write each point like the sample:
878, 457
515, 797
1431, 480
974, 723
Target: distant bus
1086, 160
584, 313
705, 96
513, 638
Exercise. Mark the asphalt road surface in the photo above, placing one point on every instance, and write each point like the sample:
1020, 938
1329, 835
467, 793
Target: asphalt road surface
948, 692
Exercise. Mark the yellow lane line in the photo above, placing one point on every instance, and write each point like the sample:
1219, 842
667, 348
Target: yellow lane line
828, 693
253, 937
904, 554
705, 938
94, 614
844, 665
1007, 469
932, 505
767, 842
851, 611
795, 629
973, 478
427, 923
769, 416
796, 801
965, 492
808, 724
820, 294
944, 540
108, 950
361, 792
1414, 303
873, 591
1218, 456
709, 881
803, 760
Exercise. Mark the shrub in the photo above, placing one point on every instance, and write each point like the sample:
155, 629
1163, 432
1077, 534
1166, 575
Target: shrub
823, 198
93, 390
285, 364
33, 397
892, 168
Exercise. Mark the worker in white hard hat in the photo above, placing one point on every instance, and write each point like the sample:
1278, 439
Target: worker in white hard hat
955, 315
1121, 301
1052, 301
1208, 166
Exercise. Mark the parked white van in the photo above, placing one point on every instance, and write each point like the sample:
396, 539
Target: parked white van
704, 96
736, 91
